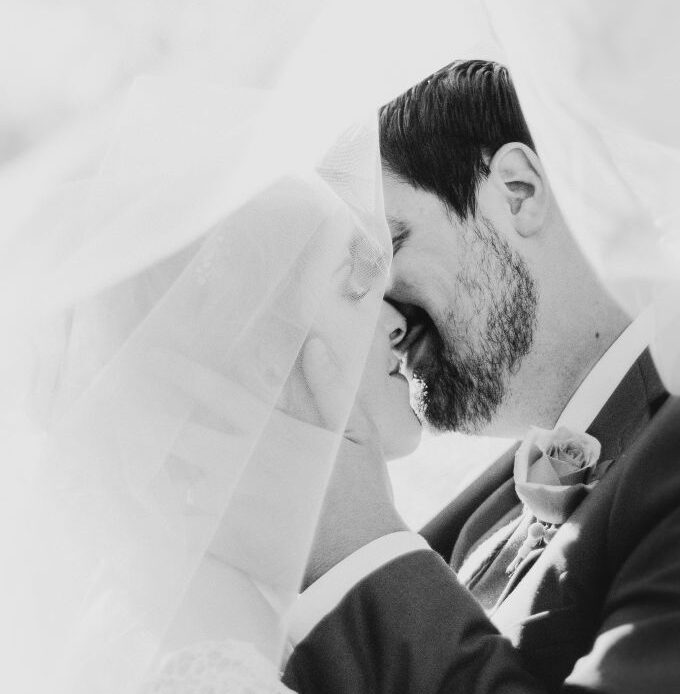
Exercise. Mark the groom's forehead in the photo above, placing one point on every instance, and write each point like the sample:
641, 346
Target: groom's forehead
408, 202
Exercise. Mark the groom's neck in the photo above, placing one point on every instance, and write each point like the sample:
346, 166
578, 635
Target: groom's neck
577, 322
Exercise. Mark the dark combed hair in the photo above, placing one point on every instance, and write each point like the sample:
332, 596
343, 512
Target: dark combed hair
440, 134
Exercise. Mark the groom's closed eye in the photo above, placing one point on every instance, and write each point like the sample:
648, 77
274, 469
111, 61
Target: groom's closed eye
400, 233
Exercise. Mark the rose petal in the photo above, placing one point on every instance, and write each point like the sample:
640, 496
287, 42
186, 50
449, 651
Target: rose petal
552, 504
575, 455
564, 438
587, 444
565, 454
575, 477
542, 472
526, 454
562, 468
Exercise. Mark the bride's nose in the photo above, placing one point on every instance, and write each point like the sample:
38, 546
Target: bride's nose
394, 323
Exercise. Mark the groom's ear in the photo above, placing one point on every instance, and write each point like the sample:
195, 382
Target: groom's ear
517, 173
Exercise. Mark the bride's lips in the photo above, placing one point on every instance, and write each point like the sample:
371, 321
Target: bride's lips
403, 383
396, 371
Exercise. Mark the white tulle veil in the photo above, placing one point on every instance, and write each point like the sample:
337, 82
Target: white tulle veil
167, 391
154, 411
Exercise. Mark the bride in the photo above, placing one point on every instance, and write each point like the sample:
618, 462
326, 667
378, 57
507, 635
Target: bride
382, 425
190, 375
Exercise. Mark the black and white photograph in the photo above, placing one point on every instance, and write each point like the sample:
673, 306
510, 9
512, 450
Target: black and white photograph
340, 347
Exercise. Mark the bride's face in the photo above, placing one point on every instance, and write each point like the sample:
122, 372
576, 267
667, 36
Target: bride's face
382, 396
346, 323
384, 391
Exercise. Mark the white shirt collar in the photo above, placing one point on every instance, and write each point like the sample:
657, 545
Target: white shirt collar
598, 386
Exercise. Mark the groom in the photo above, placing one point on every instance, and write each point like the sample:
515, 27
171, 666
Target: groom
508, 328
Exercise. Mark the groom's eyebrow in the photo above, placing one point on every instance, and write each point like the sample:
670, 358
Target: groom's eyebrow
400, 231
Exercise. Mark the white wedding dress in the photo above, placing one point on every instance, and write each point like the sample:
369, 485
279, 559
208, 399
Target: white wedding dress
225, 667
153, 409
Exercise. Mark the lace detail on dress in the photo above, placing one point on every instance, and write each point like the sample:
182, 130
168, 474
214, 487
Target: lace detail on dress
225, 667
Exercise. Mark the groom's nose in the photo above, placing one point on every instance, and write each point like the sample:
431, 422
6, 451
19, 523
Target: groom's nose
395, 324
415, 322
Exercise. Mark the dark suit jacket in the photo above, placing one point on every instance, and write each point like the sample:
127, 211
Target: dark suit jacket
598, 610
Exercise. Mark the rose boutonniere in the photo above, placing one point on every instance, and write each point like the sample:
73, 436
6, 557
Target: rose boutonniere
554, 471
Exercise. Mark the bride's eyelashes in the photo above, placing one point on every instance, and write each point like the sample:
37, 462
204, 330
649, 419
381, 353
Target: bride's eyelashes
361, 275
367, 262
354, 290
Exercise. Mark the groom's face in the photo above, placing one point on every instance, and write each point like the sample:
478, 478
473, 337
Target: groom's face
470, 303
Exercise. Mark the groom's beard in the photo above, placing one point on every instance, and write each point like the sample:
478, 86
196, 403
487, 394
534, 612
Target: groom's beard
463, 381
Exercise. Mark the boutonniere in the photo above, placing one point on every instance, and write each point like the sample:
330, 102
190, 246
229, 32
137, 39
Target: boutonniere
554, 471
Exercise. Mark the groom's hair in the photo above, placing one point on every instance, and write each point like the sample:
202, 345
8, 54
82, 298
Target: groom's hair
441, 133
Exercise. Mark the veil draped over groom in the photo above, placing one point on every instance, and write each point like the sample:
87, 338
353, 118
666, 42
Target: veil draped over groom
154, 410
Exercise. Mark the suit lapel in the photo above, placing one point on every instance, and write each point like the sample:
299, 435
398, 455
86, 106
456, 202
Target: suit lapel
443, 531
485, 547
629, 409
543, 584
493, 513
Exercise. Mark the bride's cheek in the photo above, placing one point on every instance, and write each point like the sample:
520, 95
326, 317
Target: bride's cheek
373, 396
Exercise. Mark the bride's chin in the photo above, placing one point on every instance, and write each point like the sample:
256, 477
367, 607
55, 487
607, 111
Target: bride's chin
405, 438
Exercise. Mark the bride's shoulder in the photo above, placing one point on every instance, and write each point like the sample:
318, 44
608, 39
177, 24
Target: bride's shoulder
218, 667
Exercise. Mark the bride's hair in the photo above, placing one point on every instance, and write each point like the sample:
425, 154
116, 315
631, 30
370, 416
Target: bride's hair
440, 134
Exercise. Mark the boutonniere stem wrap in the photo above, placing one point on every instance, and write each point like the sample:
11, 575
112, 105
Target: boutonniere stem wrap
554, 471
537, 535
